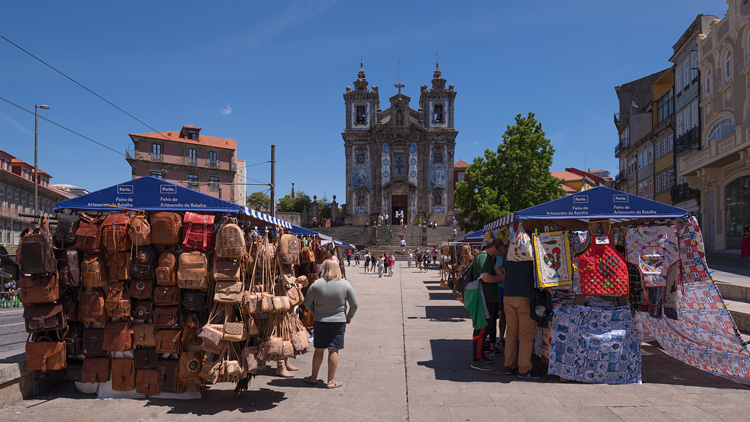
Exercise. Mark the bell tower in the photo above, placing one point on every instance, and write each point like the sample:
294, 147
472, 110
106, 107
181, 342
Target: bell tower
437, 103
361, 104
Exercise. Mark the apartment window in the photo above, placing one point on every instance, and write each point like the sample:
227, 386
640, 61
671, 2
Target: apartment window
678, 81
686, 73
213, 183
670, 143
728, 66
192, 156
213, 158
680, 125
695, 114
361, 115
156, 151
694, 67
716, 132
191, 134
193, 181
2, 162
665, 105
657, 150
157, 174
650, 155
708, 82
437, 114
461, 176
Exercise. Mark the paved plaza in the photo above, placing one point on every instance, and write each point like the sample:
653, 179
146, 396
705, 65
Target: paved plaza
407, 357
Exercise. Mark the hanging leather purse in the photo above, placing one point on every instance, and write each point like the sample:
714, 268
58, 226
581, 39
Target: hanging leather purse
234, 331
168, 374
93, 271
166, 295
123, 374
117, 303
281, 304
266, 303
38, 289
250, 302
91, 307
118, 265
47, 317
147, 382
228, 292
248, 358
95, 369
143, 265
44, 354
118, 337
287, 349
193, 300
146, 357
74, 339
192, 272
141, 289
143, 309
93, 342
168, 341
191, 364
252, 327
143, 335
68, 269
167, 317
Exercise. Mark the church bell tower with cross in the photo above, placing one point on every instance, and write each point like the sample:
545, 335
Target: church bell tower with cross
399, 161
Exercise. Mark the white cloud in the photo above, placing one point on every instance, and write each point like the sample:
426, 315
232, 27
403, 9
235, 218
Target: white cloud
226, 110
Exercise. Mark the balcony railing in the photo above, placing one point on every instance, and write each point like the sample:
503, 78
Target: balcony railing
687, 140
621, 177
618, 147
683, 191
180, 160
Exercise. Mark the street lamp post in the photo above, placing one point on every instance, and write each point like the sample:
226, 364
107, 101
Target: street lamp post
36, 149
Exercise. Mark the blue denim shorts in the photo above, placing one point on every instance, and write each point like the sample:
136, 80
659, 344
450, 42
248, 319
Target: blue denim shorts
328, 335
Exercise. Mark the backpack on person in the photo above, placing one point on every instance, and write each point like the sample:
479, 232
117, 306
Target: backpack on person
466, 277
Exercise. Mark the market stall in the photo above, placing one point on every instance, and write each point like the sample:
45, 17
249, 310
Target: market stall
620, 268
150, 289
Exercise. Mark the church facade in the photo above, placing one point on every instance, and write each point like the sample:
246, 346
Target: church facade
399, 161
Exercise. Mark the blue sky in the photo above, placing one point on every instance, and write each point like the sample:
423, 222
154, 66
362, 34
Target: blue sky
274, 73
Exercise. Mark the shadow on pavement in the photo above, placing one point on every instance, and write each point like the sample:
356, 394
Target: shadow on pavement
660, 368
442, 296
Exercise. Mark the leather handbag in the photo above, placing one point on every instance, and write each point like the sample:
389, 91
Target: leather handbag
34, 253
118, 337
91, 307
227, 269
301, 340
248, 358
166, 271
93, 271
230, 240
139, 230
88, 235
144, 335
141, 289
68, 267
212, 333
168, 370
143, 309
143, 264
115, 232
193, 300
118, 265
95, 369
93, 342
190, 364
192, 272
166, 295
168, 341
281, 304
234, 331
287, 349
47, 317
167, 317
70, 304
252, 327
250, 302
145, 357
44, 354
123, 374
228, 292
266, 303
73, 339
38, 289
147, 382
165, 228
117, 303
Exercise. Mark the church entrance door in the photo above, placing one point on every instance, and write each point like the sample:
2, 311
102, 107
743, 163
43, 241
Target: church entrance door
399, 203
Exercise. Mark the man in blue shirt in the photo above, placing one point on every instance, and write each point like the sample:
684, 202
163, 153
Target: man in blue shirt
519, 339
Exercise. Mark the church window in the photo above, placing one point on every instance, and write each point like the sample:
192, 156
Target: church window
400, 166
437, 155
360, 156
361, 115
437, 114
400, 118
361, 199
437, 198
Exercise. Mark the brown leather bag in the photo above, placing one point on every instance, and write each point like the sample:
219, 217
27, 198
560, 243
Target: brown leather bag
118, 265
227, 269
191, 364
168, 370
166, 271
45, 317
192, 272
34, 253
93, 271
146, 357
92, 343
307, 256
228, 292
143, 264
139, 230
144, 335
91, 307
142, 309
68, 267
115, 232
168, 341
88, 235
165, 228
197, 231
289, 249
123, 374
38, 289
166, 295
117, 303
141, 289
96, 369
167, 317
147, 382
118, 337
45, 354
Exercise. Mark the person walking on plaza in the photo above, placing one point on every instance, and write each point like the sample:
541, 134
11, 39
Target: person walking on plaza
483, 268
348, 257
356, 258
403, 244
367, 262
391, 261
519, 336
409, 258
381, 264
328, 301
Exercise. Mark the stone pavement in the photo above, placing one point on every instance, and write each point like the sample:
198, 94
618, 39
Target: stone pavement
407, 358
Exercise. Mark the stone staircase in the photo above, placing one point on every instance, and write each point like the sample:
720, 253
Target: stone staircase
357, 236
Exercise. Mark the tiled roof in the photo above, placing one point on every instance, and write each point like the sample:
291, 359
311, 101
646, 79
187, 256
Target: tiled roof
461, 164
566, 176
211, 141
568, 189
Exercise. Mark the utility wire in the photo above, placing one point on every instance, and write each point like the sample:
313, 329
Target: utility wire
81, 85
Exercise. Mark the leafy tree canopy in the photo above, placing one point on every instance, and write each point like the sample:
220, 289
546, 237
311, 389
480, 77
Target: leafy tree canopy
300, 201
259, 201
514, 177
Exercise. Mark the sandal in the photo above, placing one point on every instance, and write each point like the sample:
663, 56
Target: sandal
336, 384
310, 381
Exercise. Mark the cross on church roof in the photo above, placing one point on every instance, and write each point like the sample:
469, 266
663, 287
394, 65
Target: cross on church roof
399, 86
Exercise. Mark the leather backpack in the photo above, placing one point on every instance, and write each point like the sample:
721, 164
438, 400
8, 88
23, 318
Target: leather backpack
165, 228
95, 369
69, 303
73, 339
168, 341
118, 337
93, 342
93, 271
68, 268
143, 264
38, 289
197, 231
117, 303
166, 295
118, 265
192, 272
115, 236
143, 335
166, 271
139, 230
65, 234
147, 382
123, 374
47, 317
230, 241
45, 354
141, 289
288, 250
34, 253
307, 256
91, 307
88, 235
142, 309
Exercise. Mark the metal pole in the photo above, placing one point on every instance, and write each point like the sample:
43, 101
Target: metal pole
36, 168
273, 180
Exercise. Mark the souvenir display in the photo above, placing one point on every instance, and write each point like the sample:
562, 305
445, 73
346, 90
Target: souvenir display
553, 259
653, 249
520, 248
601, 269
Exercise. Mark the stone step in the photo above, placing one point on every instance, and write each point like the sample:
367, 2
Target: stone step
741, 313
18, 383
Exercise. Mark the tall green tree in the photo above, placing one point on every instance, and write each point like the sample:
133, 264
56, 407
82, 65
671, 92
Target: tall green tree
301, 200
259, 201
514, 177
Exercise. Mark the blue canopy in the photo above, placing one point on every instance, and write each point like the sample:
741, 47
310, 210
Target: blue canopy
152, 194
599, 203
476, 236
301, 231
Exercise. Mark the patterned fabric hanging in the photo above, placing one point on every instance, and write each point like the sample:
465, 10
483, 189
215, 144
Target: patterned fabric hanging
552, 259
602, 270
653, 250
692, 252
